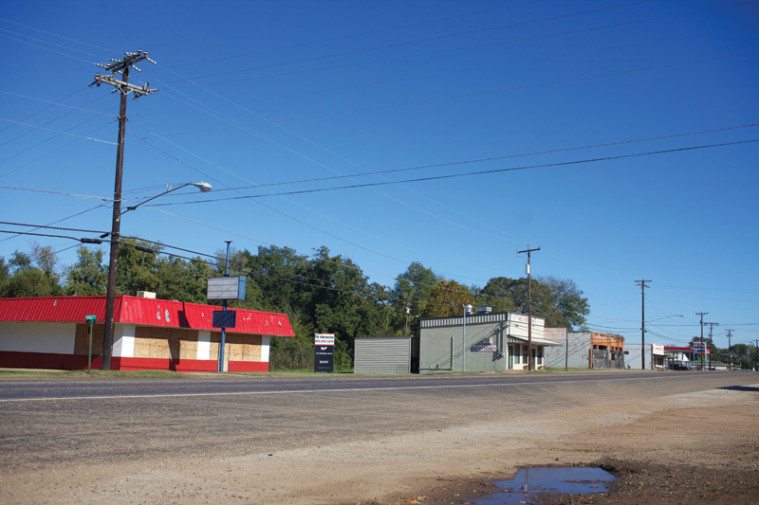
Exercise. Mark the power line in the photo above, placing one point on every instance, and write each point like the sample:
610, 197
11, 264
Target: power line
62, 193
49, 227
470, 174
58, 221
59, 132
499, 157
420, 40
84, 240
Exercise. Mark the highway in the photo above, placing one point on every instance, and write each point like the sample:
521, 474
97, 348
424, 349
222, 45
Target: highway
42, 390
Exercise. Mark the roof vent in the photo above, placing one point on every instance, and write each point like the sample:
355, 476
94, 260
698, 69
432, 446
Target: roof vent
146, 294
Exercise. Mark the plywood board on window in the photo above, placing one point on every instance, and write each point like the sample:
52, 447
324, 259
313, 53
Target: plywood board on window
81, 339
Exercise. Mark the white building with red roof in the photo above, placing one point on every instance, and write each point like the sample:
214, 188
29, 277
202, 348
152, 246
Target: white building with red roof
149, 334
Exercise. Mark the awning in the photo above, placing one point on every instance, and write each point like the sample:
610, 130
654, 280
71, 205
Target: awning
535, 341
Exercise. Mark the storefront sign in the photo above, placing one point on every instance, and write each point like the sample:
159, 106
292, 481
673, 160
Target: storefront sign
324, 352
484, 348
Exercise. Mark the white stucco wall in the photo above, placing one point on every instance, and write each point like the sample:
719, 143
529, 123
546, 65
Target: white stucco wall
124, 340
57, 338
204, 344
265, 341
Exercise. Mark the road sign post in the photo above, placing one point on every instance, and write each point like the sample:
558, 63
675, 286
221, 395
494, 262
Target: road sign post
91, 320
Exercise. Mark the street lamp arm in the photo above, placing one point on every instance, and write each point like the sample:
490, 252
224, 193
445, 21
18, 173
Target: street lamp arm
204, 187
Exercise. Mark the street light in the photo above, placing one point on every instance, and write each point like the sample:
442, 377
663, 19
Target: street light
110, 294
203, 186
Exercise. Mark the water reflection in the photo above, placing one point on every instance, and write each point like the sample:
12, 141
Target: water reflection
528, 483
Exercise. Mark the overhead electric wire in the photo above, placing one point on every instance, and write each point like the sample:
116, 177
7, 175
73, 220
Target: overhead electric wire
499, 157
49, 227
49, 235
57, 221
59, 132
469, 174
422, 40
61, 193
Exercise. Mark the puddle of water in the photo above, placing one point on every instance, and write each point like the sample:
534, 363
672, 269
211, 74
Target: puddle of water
529, 482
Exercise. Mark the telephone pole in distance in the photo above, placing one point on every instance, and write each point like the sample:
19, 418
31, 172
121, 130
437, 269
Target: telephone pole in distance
529, 252
729, 349
643, 283
122, 86
702, 314
711, 342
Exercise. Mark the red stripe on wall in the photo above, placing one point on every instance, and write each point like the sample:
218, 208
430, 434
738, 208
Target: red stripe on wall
10, 359
248, 366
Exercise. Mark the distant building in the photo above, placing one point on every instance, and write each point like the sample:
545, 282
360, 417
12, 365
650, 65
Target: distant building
654, 354
490, 343
584, 349
149, 333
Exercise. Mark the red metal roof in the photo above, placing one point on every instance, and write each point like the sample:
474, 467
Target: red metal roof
140, 311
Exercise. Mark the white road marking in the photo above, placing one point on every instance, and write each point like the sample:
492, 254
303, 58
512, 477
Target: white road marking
336, 390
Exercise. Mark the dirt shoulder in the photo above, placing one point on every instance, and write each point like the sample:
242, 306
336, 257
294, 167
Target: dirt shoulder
393, 446
703, 453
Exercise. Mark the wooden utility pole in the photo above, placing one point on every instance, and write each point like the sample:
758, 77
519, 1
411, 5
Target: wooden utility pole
122, 86
729, 349
643, 285
703, 361
711, 331
529, 252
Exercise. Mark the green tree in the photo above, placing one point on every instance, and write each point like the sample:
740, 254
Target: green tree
31, 275
446, 300
412, 291
88, 276
137, 270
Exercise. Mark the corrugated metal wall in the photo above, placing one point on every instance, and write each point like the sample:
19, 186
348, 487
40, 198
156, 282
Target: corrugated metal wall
382, 355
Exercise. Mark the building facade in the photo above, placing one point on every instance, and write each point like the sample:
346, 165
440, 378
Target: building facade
584, 349
149, 333
480, 343
654, 356
386, 355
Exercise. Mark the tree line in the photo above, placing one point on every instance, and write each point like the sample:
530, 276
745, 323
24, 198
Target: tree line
321, 292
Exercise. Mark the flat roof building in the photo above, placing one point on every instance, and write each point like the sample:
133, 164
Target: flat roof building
584, 349
149, 333
490, 343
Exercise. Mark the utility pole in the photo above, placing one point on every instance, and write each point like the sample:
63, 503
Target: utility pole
711, 329
702, 314
643, 285
223, 340
529, 252
122, 86
729, 349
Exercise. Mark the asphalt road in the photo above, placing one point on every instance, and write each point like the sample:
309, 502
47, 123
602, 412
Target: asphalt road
48, 390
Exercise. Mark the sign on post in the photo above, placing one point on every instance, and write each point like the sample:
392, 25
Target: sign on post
226, 288
324, 352
224, 318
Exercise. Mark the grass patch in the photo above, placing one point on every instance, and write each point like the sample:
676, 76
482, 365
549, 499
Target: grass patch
10, 373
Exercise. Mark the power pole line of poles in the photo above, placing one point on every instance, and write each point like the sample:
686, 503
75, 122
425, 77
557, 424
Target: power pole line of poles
643, 283
729, 349
711, 342
703, 347
529, 252
121, 85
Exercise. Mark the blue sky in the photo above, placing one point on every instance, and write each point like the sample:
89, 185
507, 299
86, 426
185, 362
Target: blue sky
255, 93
